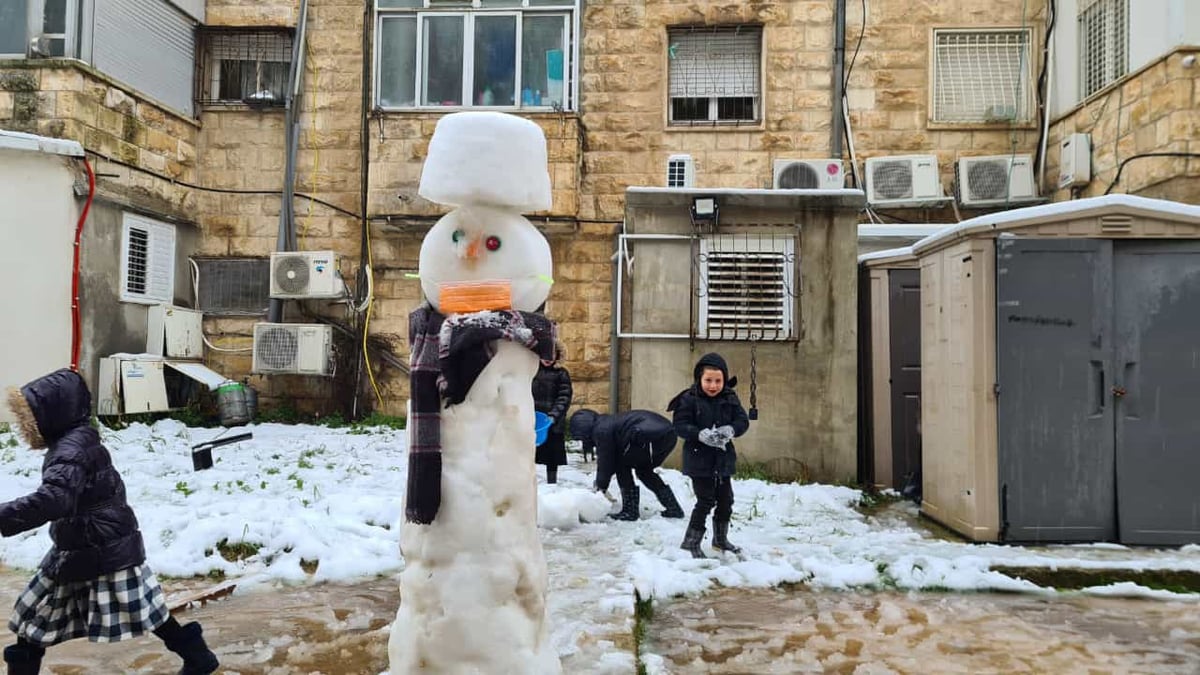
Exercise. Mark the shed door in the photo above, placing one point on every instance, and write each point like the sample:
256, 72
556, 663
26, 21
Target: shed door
1055, 422
1158, 417
904, 322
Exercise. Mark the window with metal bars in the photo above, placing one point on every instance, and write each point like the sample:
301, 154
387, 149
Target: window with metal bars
1103, 44
147, 260
680, 171
243, 66
233, 286
982, 76
747, 287
714, 74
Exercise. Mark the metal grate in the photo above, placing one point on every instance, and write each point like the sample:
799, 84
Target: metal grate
988, 179
981, 76
1103, 44
276, 347
714, 73
892, 179
243, 66
137, 260
234, 286
747, 287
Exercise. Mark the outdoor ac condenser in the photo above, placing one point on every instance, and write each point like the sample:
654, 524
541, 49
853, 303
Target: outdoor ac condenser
996, 180
305, 274
903, 180
292, 349
809, 174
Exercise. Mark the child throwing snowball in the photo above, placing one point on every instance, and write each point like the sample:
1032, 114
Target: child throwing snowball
94, 581
708, 416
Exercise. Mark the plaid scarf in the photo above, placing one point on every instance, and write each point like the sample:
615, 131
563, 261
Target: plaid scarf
447, 356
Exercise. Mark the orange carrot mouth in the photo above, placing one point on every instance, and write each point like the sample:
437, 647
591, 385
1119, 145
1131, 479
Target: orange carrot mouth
464, 297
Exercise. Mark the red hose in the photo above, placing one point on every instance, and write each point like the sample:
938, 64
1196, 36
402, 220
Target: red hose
76, 327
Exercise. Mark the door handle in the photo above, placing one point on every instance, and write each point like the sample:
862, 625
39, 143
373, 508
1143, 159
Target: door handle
1118, 391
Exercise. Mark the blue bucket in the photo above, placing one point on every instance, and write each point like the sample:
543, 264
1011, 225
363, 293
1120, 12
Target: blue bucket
541, 427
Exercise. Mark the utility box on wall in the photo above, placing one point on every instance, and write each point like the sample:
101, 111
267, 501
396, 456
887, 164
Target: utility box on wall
175, 332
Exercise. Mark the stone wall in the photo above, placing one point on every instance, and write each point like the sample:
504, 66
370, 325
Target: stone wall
624, 91
1156, 109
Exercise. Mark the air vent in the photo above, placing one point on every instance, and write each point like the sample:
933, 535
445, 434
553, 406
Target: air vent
292, 348
903, 180
1116, 224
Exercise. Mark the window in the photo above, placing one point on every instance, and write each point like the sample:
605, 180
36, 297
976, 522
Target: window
681, 171
1103, 44
747, 287
715, 74
147, 260
233, 286
500, 54
243, 66
48, 24
982, 76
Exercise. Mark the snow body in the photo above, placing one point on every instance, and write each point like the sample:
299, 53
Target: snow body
473, 589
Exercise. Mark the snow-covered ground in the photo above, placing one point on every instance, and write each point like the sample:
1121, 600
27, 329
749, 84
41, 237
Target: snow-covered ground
307, 493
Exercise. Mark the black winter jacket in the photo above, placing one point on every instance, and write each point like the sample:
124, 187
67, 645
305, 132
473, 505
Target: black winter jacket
552, 394
634, 439
82, 496
694, 410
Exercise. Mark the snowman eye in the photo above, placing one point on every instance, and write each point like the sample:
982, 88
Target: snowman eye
458, 234
493, 243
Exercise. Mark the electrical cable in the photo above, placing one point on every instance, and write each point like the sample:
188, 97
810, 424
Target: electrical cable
1121, 167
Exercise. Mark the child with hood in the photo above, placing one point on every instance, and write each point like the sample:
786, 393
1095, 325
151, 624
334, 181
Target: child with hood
94, 581
628, 443
708, 416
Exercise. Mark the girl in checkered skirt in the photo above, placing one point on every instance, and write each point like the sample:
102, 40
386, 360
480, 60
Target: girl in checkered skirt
94, 581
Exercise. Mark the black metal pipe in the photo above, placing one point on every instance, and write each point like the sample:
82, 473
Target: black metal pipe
364, 253
839, 68
285, 239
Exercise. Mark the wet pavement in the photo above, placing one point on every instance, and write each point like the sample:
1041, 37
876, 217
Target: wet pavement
798, 631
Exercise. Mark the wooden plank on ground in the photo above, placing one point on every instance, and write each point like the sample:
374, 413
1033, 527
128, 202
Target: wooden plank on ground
202, 596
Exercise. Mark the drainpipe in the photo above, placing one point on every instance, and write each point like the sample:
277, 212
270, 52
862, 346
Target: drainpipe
614, 342
364, 141
839, 74
285, 240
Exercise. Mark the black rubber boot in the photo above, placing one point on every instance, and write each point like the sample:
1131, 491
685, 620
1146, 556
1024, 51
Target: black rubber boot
629, 505
720, 538
691, 542
188, 642
551, 474
667, 499
23, 658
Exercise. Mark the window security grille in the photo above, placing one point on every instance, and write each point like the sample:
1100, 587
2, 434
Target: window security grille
747, 287
715, 74
1103, 44
680, 171
234, 286
243, 66
147, 260
981, 76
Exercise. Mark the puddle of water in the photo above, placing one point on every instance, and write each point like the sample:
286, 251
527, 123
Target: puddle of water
780, 631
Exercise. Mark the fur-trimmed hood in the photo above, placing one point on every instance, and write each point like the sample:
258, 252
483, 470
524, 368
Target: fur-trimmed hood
26, 423
57, 403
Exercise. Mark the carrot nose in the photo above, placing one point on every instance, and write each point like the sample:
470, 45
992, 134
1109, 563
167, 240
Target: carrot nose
473, 248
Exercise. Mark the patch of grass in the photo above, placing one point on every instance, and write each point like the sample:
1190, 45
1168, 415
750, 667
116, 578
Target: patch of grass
873, 501
753, 470
5, 428
1176, 581
377, 419
309, 566
282, 413
182, 488
237, 550
643, 614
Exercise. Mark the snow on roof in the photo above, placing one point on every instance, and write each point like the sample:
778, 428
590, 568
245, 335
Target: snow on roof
16, 140
902, 252
664, 196
901, 230
1004, 220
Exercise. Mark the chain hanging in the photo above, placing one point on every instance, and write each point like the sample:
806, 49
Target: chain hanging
753, 413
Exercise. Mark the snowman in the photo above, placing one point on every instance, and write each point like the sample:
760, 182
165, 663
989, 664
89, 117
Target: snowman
472, 593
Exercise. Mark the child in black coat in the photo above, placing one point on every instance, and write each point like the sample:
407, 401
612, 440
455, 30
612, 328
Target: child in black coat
94, 581
708, 416
636, 441
552, 395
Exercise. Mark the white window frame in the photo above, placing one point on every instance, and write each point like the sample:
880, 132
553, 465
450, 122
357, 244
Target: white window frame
159, 274
756, 117
1025, 98
681, 171
1114, 66
35, 11
744, 245
569, 10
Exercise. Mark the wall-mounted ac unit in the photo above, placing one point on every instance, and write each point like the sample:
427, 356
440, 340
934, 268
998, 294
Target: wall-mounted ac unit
292, 348
808, 174
681, 171
902, 180
305, 274
995, 180
1075, 161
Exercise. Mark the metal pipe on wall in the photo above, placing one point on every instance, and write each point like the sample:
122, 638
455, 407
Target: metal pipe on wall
614, 341
839, 74
285, 239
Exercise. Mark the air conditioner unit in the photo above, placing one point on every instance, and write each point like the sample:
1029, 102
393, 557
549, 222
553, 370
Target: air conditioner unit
292, 348
996, 180
902, 180
809, 174
1075, 161
305, 274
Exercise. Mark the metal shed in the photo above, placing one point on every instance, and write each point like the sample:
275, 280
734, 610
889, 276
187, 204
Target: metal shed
1060, 347
890, 369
